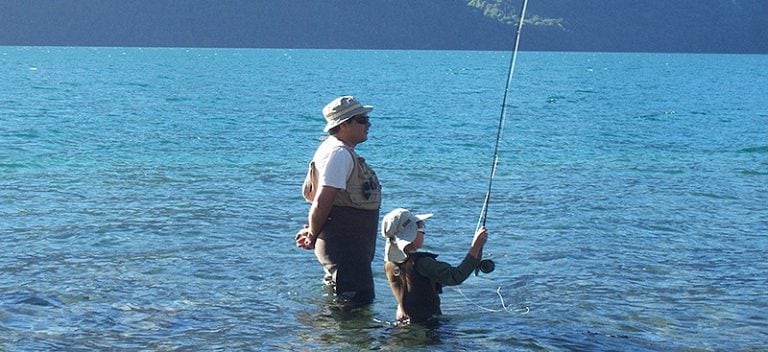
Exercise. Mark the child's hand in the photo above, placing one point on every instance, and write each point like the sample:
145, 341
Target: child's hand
481, 236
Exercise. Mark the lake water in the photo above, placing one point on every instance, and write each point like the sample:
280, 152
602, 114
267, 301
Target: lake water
149, 198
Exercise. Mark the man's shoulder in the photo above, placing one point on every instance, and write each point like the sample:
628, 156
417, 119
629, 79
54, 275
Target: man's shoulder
330, 148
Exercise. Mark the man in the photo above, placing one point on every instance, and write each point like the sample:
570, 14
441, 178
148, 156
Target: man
346, 197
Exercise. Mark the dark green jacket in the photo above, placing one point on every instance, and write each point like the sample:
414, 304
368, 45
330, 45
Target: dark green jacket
417, 283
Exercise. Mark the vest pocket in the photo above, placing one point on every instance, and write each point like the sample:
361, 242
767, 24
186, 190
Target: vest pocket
364, 188
366, 193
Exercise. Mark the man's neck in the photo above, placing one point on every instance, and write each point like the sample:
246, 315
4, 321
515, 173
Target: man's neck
345, 140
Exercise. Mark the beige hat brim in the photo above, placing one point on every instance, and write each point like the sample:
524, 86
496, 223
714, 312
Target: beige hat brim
360, 110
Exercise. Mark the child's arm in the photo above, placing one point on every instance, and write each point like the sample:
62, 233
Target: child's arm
446, 274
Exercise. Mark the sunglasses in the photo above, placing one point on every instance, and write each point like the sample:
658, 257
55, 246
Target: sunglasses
361, 119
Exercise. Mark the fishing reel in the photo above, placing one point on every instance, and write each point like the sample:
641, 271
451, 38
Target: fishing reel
486, 266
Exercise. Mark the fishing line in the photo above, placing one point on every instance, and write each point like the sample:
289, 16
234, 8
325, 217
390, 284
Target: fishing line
501, 298
513, 60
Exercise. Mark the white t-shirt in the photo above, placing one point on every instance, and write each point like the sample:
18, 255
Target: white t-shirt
334, 164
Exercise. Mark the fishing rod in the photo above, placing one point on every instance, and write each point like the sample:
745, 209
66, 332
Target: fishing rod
510, 73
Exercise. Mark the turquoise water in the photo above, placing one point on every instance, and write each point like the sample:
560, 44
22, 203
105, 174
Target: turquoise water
149, 198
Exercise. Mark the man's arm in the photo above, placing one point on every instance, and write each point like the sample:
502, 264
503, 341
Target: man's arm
319, 211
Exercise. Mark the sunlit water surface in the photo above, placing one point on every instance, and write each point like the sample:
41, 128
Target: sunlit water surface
149, 198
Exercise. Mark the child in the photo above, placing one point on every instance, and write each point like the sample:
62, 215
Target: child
416, 278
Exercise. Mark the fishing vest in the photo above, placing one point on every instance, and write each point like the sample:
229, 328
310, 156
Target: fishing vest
363, 190
418, 298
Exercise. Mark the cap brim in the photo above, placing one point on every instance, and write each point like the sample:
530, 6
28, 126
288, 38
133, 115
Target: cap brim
422, 217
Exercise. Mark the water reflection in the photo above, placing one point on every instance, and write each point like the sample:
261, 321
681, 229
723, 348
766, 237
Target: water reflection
415, 335
329, 326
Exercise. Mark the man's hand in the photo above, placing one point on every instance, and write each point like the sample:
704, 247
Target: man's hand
305, 239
